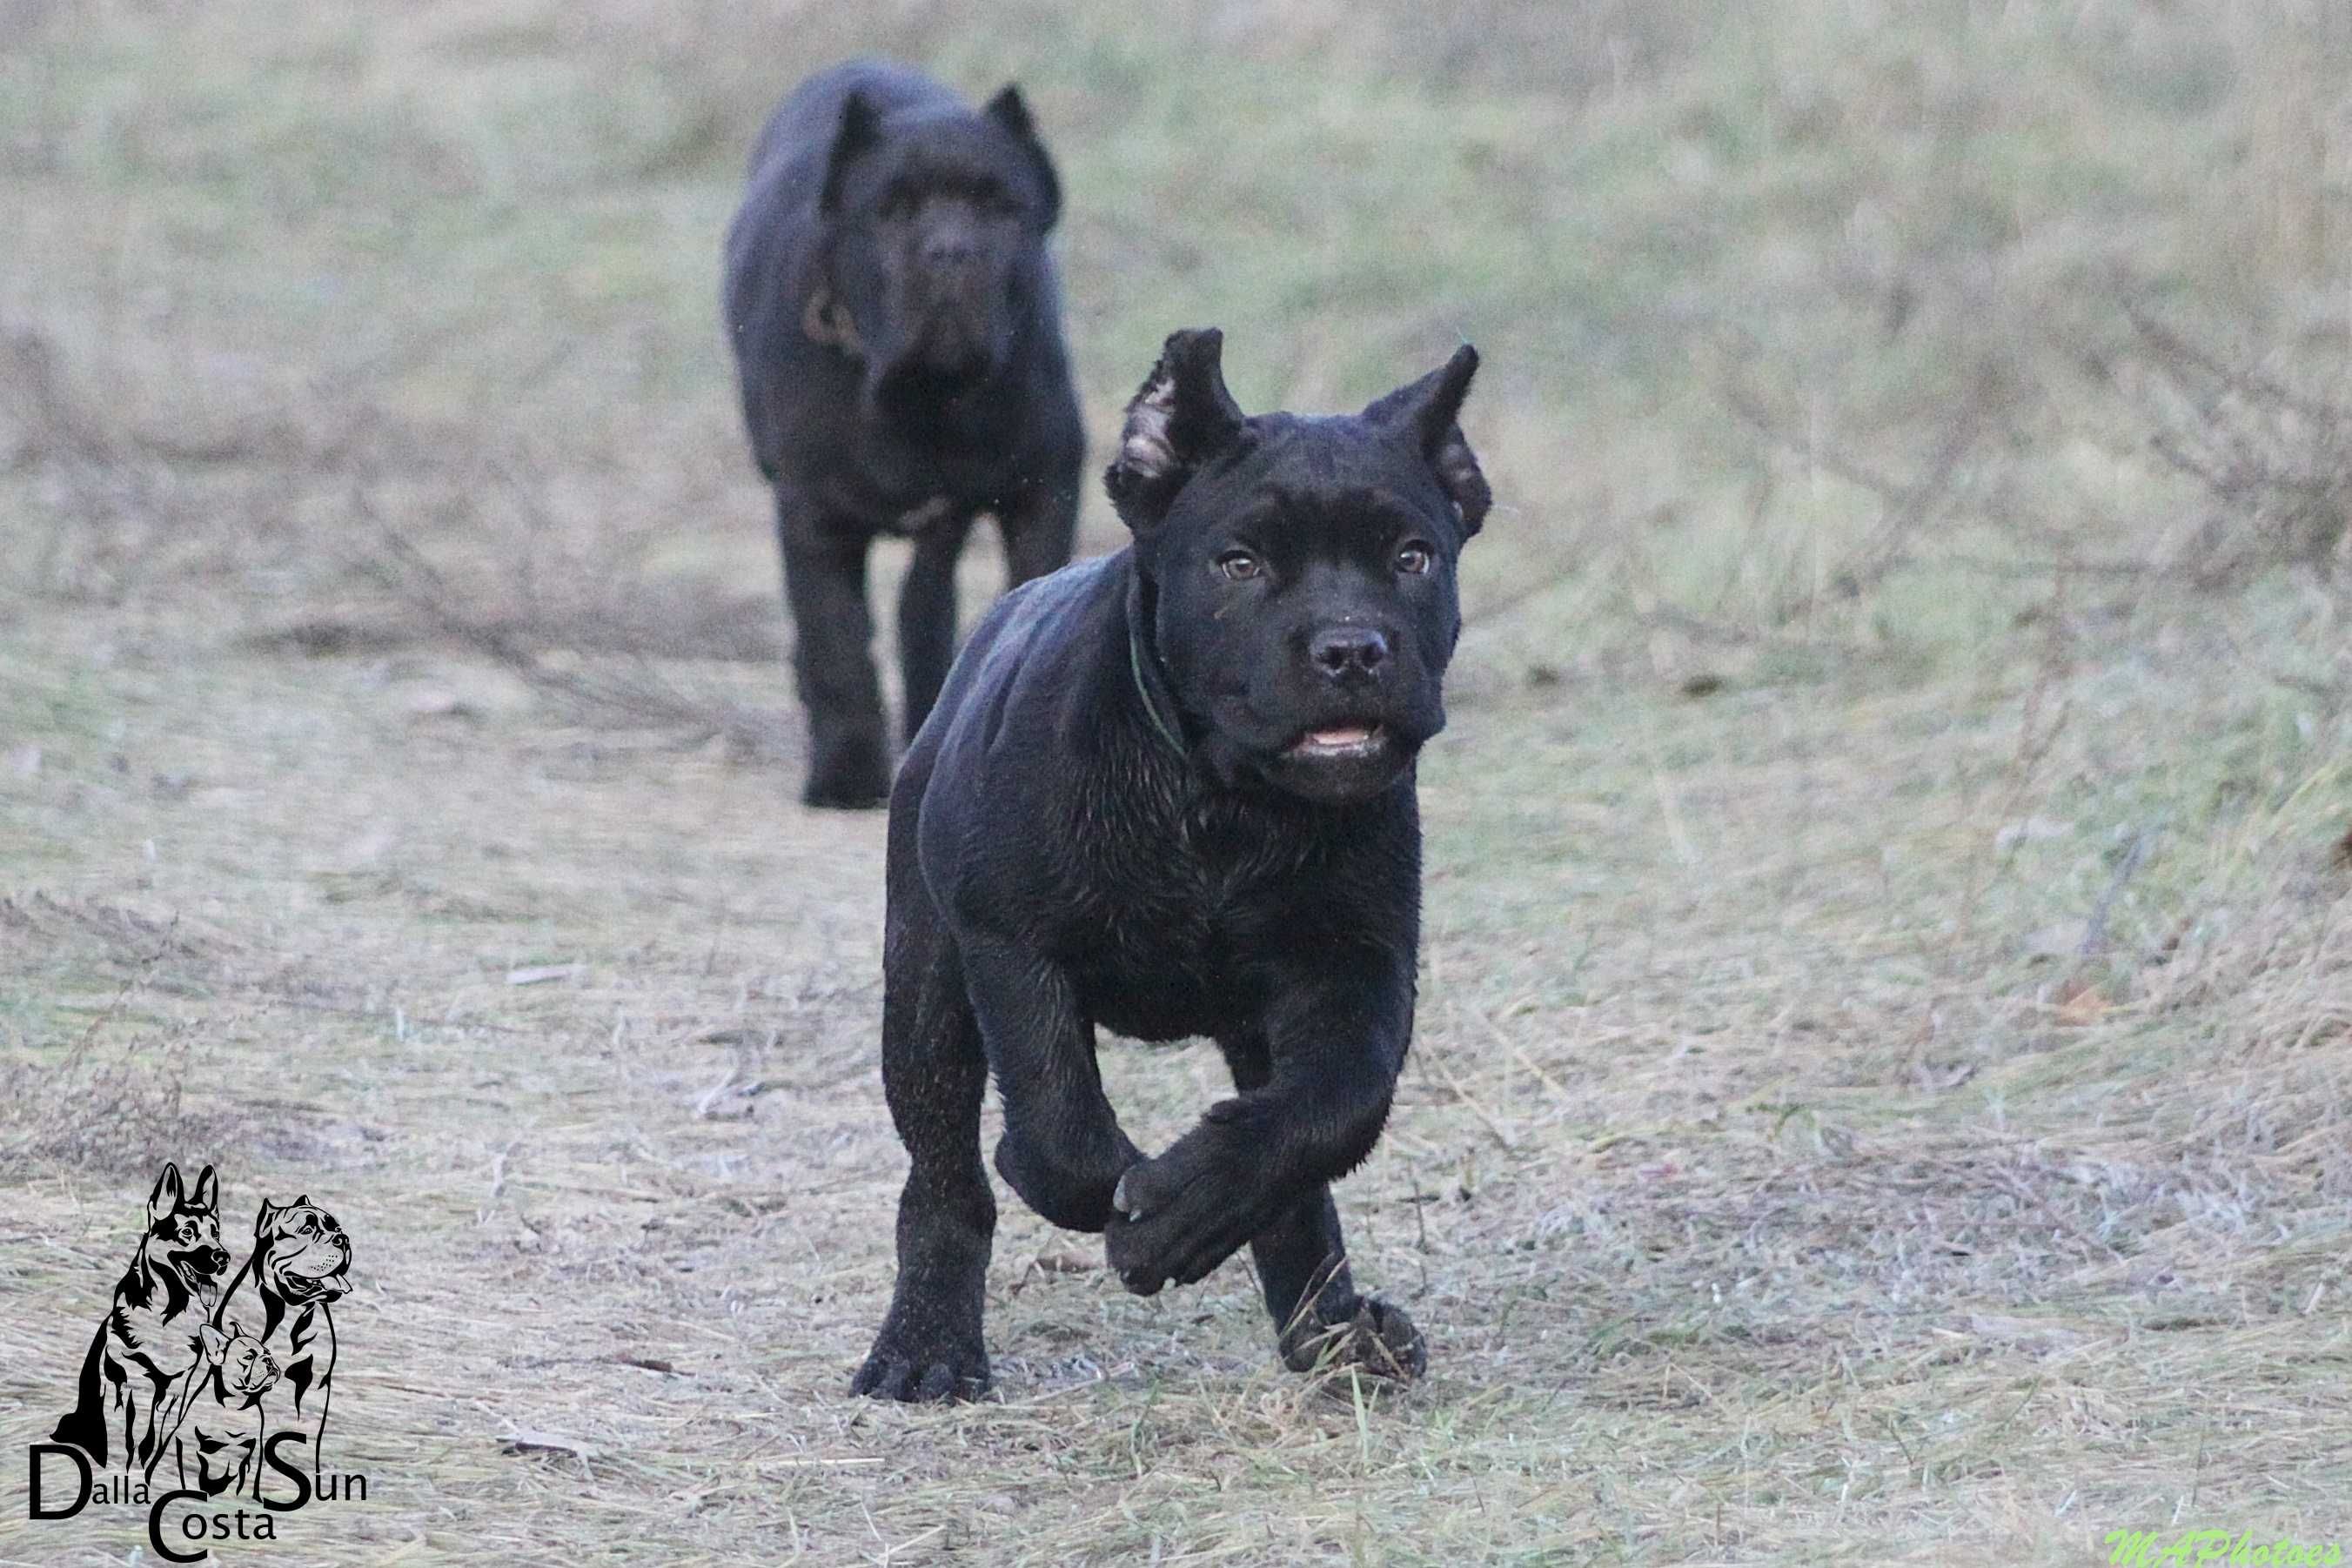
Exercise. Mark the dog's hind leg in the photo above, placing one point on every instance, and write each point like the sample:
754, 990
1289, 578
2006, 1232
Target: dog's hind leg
84, 1426
1302, 1270
929, 1346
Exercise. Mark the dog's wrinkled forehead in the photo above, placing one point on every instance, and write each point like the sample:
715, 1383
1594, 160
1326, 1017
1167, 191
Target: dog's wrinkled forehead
186, 1219
297, 1224
1329, 475
955, 159
965, 158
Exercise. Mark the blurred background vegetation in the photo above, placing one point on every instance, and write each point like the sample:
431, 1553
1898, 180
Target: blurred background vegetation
1807, 325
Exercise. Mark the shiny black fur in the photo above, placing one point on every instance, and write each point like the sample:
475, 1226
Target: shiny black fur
1109, 821
897, 327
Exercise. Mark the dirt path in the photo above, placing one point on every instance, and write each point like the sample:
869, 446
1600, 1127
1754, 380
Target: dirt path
1735, 1216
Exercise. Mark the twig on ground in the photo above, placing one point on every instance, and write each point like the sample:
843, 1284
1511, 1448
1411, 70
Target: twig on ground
2095, 930
640, 695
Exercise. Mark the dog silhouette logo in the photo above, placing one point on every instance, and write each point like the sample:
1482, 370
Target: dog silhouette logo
150, 1346
206, 1386
300, 1263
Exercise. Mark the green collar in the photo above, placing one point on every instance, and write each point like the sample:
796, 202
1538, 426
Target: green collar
1143, 690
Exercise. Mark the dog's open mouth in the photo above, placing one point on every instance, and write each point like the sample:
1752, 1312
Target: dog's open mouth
305, 1288
1340, 741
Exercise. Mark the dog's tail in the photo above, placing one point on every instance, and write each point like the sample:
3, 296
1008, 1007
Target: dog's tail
84, 1426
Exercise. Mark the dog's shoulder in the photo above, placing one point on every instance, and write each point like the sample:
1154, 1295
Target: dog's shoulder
135, 1290
995, 749
152, 1336
140, 1312
1024, 658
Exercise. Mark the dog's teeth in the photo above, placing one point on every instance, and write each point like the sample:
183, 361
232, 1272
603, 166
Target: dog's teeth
1119, 1200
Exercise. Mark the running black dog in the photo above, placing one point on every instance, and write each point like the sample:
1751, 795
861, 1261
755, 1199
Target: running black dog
896, 326
1171, 793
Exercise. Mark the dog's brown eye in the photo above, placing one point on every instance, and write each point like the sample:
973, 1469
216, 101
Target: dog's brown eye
1240, 565
1414, 559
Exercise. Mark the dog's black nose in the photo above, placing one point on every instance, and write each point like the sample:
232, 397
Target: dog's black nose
1348, 653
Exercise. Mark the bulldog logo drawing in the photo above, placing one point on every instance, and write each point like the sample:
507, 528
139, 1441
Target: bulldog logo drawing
301, 1262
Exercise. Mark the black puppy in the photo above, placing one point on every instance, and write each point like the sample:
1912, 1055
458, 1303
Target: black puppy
1169, 792
897, 325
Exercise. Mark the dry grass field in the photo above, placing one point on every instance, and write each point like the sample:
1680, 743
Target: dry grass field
1883, 1087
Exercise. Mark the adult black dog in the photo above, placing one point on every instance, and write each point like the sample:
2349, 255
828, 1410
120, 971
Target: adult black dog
897, 325
1171, 793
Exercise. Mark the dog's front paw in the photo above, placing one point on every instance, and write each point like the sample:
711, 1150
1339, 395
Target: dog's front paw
913, 1371
1179, 1217
1375, 1337
1073, 1193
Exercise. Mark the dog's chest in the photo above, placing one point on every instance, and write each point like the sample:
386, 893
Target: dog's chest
1172, 940
167, 1341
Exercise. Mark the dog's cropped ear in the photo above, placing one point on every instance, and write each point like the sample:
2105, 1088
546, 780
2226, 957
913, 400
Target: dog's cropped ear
1180, 418
860, 128
167, 1194
1424, 413
1011, 113
267, 1212
207, 1190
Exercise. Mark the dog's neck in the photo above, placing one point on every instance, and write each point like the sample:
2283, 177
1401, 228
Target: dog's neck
306, 1322
1143, 666
139, 1286
221, 1304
